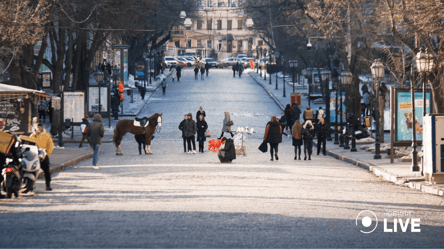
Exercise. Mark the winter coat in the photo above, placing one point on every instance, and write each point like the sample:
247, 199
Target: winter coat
96, 130
308, 132
178, 71
287, 113
182, 127
44, 141
198, 113
296, 132
115, 101
283, 121
230, 151
225, 127
321, 130
273, 133
196, 70
83, 125
319, 114
202, 127
190, 128
202, 70
295, 113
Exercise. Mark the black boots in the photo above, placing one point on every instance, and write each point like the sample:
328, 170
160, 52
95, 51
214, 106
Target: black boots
48, 186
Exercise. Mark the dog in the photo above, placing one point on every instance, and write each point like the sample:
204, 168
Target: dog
408, 121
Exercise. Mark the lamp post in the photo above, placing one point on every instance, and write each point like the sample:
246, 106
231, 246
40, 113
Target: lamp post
424, 64
346, 78
293, 66
61, 116
335, 85
283, 74
265, 71
260, 61
98, 76
341, 115
326, 79
276, 54
377, 69
309, 71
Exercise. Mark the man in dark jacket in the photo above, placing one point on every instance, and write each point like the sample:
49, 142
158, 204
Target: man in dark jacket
207, 69
321, 131
115, 103
182, 128
228, 153
178, 72
234, 68
95, 132
190, 132
288, 116
295, 112
83, 128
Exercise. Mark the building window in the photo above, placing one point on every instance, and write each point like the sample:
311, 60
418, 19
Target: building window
239, 3
229, 3
239, 23
239, 46
219, 24
220, 3
199, 24
209, 24
199, 43
188, 43
229, 24
177, 44
209, 43
209, 3
260, 43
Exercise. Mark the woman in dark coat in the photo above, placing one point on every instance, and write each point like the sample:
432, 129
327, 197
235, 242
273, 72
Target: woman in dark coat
200, 112
178, 72
308, 134
273, 136
296, 132
190, 132
202, 127
182, 128
228, 153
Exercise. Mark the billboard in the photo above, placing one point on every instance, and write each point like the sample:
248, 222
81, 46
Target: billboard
98, 96
74, 106
404, 118
333, 103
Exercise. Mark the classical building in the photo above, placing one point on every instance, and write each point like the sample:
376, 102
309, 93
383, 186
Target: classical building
218, 32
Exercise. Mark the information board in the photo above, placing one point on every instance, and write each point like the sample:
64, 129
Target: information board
74, 106
94, 98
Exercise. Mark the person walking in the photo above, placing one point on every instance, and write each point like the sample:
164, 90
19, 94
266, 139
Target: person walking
228, 153
44, 141
227, 123
42, 111
202, 73
284, 123
196, 72
308, 135
319, 114
240, 69
273, 136
83, 129
295, 112
296, 132
234, 67
321, 134
207, 68
96, 131
202, 127
178, 72
182, 128
142, 91
366, 100
308, 114
190, 132
164, 86
115, 103
200, 112
288, 116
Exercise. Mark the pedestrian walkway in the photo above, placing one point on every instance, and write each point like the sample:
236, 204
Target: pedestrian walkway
70, 153
399, 172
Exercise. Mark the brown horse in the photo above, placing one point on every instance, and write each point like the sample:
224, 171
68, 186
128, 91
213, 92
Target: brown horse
127, 125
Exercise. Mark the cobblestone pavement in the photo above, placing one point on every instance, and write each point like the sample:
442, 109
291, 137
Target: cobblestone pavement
174, 199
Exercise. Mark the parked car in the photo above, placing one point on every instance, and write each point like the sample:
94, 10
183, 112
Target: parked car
170, 61
227, 62
210, 61
240, 56
184, 62
246, 61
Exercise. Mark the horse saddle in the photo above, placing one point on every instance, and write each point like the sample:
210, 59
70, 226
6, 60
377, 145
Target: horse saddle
141, 122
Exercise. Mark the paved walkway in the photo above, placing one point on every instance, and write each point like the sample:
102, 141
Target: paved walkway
398, 172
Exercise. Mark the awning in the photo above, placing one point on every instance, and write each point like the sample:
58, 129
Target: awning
6, 89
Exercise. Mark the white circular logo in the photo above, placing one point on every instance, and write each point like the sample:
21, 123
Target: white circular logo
367, 221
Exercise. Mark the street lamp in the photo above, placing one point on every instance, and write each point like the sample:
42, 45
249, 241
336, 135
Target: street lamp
377, 69
309, 71
326, 79
335, 85
98, 76
424, 64
346, 79
276, 55
61, 117
283, 74
265, 71
293, 66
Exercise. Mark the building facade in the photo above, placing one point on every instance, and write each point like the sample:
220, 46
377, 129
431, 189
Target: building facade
218, 32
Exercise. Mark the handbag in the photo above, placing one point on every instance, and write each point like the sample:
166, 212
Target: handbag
208, 134
230, 123
263, 147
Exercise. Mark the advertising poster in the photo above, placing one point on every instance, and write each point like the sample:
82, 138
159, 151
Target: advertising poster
74, 106
12, 116
125, 64
404, 119
94, 99
333, 103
